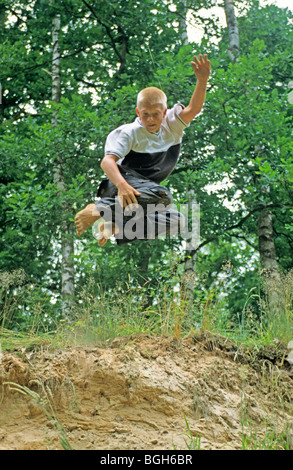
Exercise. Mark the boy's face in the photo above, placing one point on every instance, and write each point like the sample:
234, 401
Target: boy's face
151, 116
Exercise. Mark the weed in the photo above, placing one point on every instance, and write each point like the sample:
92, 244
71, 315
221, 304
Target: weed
280, 324
102, 315
192, 442
46, 403
269, 439
277, 434
9, 281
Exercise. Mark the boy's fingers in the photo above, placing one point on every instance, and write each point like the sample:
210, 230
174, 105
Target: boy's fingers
130, 208
120, 200
201, 59
134, 201
127, 200
133, 204
133, 198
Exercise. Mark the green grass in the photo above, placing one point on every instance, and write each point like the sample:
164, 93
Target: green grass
98, 316
270, 439
269, 435
11, 340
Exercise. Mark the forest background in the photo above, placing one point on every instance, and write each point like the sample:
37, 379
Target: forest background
70, 73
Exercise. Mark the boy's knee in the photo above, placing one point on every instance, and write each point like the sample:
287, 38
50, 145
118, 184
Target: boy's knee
158, 195
165, 196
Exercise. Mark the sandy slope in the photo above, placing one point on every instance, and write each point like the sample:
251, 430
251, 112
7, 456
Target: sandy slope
137, 392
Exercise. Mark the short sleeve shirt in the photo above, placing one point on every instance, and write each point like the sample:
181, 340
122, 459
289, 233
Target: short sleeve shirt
152, 155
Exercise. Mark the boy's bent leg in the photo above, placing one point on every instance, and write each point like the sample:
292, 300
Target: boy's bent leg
86, 217
154, 199
152, 196
169, 222
151, 192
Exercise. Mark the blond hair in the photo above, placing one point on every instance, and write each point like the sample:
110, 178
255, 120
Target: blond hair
151, 96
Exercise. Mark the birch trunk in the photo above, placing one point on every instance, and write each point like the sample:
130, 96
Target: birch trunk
182, 12
67, 230
268, 259
232, 26
189, 275
189, 278
267, 253
266, 242
267, 248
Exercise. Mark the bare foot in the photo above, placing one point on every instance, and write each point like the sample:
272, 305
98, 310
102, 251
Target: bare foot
86, 218
106, 230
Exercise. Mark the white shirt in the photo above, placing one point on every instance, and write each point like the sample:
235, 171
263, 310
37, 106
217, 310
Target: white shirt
135, 137
153, 155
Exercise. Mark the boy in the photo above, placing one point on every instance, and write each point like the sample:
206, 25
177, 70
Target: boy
138, 157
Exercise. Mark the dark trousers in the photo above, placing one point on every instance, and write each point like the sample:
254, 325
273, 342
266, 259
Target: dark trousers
153, 218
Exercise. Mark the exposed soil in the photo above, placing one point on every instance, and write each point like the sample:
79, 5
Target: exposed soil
138, 392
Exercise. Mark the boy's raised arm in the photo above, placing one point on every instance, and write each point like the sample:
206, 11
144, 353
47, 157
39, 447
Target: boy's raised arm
201, 67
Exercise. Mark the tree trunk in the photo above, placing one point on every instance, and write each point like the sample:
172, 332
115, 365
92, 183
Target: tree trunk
268, 259
182, 12
67, 229
189, 275
232, 26
267, 251
266, 242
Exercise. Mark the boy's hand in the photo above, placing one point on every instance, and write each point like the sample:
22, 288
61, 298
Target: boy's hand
201, 67
127, 195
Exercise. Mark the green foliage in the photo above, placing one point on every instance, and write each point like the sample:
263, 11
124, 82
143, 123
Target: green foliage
238, 148
26, 307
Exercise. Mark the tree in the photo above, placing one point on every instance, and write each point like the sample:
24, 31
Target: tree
266, 244
255, 133
66, 225
61, 140
238, 148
